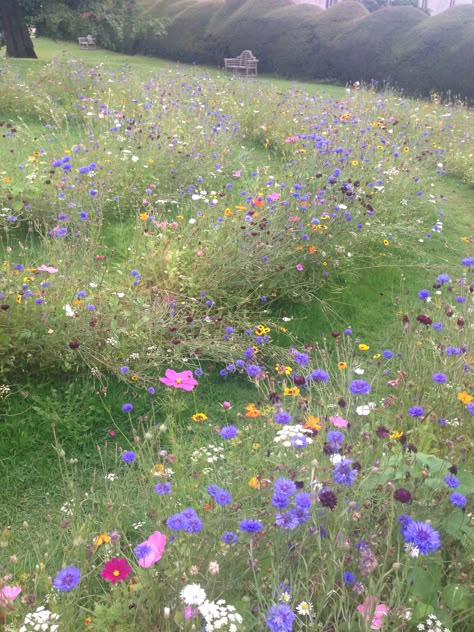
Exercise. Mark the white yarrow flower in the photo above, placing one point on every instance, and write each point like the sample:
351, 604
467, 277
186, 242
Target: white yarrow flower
193, 595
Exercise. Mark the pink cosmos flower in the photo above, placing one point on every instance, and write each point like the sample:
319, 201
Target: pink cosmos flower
45, 268
273, 197
237, 173
152, 548
292, 139
371, 611
8, 594
299, 267
339, 422
183, 380
116, 570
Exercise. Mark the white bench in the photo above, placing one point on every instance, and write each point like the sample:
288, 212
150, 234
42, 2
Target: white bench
245, 63
87, 43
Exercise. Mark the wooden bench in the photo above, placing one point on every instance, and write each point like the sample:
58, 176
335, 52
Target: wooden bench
87, 43
245, 63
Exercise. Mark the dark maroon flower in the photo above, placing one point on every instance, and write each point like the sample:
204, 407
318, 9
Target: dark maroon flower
335, 334
4, 307
411, 447
342, 403
299, 380
274, 398
73, 344
382, 432
460, 322
327, 498
453, 469
425, 320
402, 495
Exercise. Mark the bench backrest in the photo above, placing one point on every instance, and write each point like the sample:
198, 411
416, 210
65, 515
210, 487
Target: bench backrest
246, 58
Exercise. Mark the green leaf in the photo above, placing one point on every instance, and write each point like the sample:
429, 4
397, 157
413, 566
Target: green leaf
425, 583
457, 597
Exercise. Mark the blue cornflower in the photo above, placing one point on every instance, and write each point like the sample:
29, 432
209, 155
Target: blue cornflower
343, 474
284, 486
318, 375
81, 294
360, 387
91, 307
301, 358
424, 294
423, 536
458, 500
142, 550
440, 378
348, 332
83, 216
177, 522
220, 496
280, 501
128, 456
451, 481
280, 618
127, 408
468, 261
387, 354
470, 408
229, 432
124, 369
287, 520
443, 278
303, 500
253, 371
438, 326
194, 525
67, 579
163, 489
348, 577
198, 372
335, 439
460, 299
453, 351
250, 526
282, 417
416, 411
229, 537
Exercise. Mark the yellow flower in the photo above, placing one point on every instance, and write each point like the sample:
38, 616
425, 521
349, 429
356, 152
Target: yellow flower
158, 469
135, 377
261, 330
254, 482
241, 207
255, 446
18, 299
103, 538
342, 365
354, 163
386, 242
406, 149
465, 398
228, 212
199, 418
376, 356
294, 391
364, 347
325, 264
143, 217
396, 435
252, 411
313, 423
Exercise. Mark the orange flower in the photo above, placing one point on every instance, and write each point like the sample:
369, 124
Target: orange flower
312, 250
254, 482
258, 201
252, 411
313, 423
342, 365
465, 398
103, 538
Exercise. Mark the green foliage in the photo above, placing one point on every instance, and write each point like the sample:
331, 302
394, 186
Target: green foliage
364, 51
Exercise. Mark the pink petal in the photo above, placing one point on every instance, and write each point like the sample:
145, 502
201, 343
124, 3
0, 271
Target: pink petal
339, 422
8, 593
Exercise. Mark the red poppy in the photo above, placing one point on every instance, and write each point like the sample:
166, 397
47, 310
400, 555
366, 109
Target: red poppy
116, 570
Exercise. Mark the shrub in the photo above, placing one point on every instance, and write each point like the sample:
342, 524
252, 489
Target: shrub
364, 50
437, 54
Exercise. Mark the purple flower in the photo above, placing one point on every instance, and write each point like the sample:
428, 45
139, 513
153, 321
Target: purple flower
303, 500
438, 326
440, 378
280, 501
299, 441
458, 500
423, 536
301, 358
423, 294
318, 375
250, 526
335, 439
343, 474
127, 408
468, 261
253, 371
416, 411
284, 486
348, 577
67, 579
451, 481
220, 496
280, 618
282, 417
228, 432
402, 495
229, 537
163, 489
287, 520
128, 456
470, 408
388, 354
359, 387
443, 278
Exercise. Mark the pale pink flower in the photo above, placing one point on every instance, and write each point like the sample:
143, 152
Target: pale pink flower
213, 568
373, 612
154, 547
183, 380
8, 594
45, 268
237, 173
339, 422
190, 612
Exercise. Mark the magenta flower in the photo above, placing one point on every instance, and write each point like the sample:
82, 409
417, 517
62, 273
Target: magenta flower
150, 551
8, 594
183, 380
116, 570
371, 611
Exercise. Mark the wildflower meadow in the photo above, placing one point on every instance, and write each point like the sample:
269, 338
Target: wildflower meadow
236, 351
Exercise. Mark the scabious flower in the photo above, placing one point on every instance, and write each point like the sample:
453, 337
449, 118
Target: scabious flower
67, 579
280, 618
116, 570
150, 551
183, 380
343, 473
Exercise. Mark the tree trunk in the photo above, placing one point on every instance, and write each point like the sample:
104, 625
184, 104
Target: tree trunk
16, 33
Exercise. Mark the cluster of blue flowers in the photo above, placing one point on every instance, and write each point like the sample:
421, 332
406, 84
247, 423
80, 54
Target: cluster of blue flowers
186, 520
